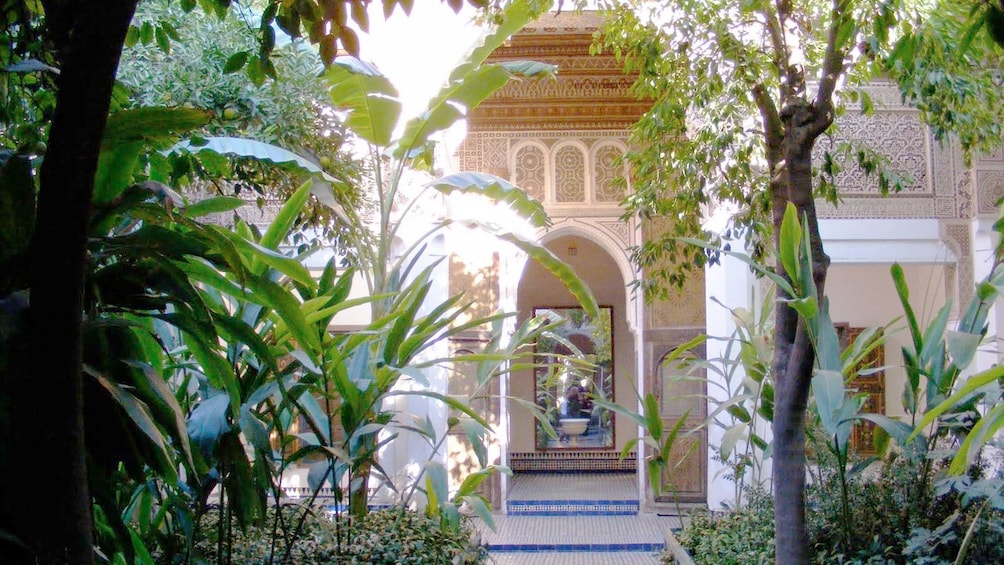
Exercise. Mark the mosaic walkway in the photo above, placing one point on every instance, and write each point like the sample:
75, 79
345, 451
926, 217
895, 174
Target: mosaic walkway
572, 519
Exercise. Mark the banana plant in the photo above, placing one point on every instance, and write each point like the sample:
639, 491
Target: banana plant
399, 280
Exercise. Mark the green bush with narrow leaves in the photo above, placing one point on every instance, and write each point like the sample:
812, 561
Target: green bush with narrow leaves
893, 523
388, 536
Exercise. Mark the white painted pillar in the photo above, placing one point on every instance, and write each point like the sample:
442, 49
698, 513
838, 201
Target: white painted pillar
512, 261
984, 243
733, 285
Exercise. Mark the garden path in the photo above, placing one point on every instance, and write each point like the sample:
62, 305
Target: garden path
581, 518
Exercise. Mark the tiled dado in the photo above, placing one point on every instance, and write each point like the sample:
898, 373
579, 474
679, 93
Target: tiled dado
572, 507
567, 461
577, 547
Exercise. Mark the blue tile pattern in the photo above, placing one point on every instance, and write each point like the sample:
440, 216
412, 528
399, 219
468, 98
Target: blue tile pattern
578, 547
572, 507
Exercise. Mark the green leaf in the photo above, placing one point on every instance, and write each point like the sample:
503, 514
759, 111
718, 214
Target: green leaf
962, 346
287, 310
495, 188
163, 40
261, 256
284, 219
437, 482
460, 96
146, 33
256, 70
827, 342
149, 124
982, 432
731, 437
249, 148
480, 508
209, 422
116, 170
555, 266
215, 205
370, 98
254, 430
475, 434
236, 62
163, 402
132, 36
514, 18
753, 264
902, 433
139, 413
789, 243
903, 291
830, 394
974, 384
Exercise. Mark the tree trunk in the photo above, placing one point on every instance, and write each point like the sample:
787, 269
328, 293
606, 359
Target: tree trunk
794, 355
53, 499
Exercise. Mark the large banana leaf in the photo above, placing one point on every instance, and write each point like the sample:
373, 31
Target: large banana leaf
495, 188
370, 98
322, 185
128, 134
516, 15
241, 147
553, 264
458, 97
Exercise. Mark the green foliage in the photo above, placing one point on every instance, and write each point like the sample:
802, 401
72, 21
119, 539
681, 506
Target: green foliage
721, 80
888, 524
908, 507
739, 537
199, 72
386, 536
27, 79
933, 61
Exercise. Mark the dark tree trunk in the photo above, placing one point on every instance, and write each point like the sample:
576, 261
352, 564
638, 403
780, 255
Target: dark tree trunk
794, 355
53, 502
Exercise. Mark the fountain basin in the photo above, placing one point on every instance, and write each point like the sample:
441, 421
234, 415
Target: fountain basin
573, 426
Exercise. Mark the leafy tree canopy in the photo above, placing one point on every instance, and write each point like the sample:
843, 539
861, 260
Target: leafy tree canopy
200, 60
716, 70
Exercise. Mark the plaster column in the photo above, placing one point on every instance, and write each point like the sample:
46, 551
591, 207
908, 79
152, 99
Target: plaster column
730, 283
984, 244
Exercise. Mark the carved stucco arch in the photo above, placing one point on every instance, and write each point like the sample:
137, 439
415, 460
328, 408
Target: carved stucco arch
612, 244
956, 236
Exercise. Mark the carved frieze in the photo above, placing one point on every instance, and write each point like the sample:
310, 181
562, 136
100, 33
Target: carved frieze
990, 186
683, 307
898, 135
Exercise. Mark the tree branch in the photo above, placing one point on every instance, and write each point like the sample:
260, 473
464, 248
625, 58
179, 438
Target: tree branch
833, 67
773, 128
791, 65
776, 39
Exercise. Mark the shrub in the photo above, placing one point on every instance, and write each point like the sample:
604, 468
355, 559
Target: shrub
388, 536
744, 536
895, 520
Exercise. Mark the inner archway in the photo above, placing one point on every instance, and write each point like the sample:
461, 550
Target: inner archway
538, 289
